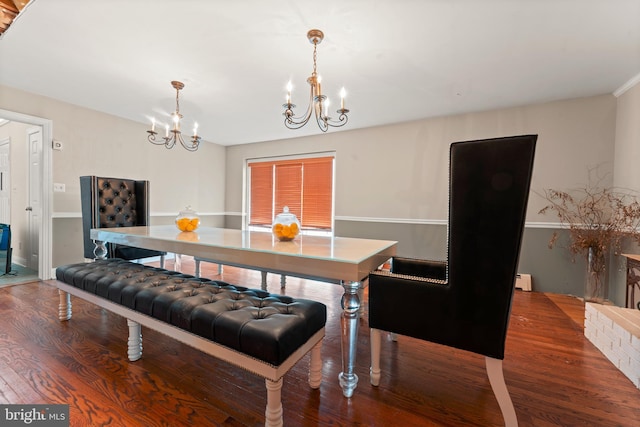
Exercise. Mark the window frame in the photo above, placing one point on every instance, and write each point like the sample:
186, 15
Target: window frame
288, 158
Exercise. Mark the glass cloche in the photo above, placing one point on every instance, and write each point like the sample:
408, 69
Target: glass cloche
187, 220
285, 226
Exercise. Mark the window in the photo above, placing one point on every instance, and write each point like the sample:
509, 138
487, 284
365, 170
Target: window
305, 185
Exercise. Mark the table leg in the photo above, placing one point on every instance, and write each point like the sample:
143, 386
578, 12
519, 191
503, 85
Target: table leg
197, 262
178, 263
350, 307
263, 282
100, 251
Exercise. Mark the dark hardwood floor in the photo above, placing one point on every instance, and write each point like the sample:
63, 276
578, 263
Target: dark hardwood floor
556, 377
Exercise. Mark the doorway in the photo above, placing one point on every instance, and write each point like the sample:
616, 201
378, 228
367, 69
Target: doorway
5, 182
38, 228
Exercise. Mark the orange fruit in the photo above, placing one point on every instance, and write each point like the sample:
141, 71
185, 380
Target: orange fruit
187, 224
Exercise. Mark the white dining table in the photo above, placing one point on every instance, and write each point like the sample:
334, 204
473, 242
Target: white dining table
344, 260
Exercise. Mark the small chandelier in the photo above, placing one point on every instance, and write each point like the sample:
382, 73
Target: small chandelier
176, 136
318, 103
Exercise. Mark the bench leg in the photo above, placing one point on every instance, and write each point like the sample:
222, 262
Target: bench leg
273, 413
135, 341
283, 282
315, 366
64, 307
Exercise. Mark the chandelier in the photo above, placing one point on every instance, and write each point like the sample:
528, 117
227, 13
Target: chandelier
173, 136
318, 103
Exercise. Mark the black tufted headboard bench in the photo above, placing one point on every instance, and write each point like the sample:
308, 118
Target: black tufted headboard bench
257, 331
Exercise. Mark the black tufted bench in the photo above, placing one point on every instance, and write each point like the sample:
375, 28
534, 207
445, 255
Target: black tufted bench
263, 333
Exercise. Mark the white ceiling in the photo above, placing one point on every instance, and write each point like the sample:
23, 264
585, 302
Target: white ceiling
399, 60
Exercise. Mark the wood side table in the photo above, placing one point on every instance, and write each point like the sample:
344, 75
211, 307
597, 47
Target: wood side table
633, 281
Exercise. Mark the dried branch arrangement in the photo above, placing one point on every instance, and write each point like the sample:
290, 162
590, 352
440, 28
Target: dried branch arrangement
598, 220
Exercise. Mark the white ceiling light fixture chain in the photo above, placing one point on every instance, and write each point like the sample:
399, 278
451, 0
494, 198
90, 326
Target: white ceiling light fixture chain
318, 103
174, 135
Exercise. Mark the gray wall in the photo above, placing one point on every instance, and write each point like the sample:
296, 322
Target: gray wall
391, 181
101, 144
552, 270
627, 170
399, 172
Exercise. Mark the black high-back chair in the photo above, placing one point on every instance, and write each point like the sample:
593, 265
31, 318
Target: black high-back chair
465, 301
115, 202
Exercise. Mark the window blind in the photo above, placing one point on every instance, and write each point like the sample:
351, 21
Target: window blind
304, 185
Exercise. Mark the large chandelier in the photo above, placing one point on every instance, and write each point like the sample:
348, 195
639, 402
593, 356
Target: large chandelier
174, 135
318, 103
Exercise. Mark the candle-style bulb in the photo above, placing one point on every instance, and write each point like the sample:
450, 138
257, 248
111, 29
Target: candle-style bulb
343, 94
195, 129
289, 87
153, 124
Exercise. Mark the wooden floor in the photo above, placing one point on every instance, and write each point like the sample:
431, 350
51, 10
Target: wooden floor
555, 376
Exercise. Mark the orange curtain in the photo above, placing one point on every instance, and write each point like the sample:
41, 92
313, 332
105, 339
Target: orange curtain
288, 186
261, 194
317, 194
304, 185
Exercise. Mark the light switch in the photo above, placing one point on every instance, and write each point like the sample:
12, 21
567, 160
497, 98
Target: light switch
58, 188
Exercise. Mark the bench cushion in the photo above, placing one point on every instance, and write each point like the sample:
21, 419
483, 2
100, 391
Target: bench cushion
266, 326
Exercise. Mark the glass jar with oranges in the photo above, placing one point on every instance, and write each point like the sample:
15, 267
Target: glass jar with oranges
285, 226
187, 220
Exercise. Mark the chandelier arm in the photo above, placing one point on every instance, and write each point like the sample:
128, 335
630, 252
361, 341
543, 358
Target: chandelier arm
341, 121
297, 122
195, 142
168, 142
179, 138
322, 122
152, 138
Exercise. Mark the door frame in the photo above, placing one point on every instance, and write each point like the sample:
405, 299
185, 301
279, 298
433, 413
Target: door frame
45, 270
7, 141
